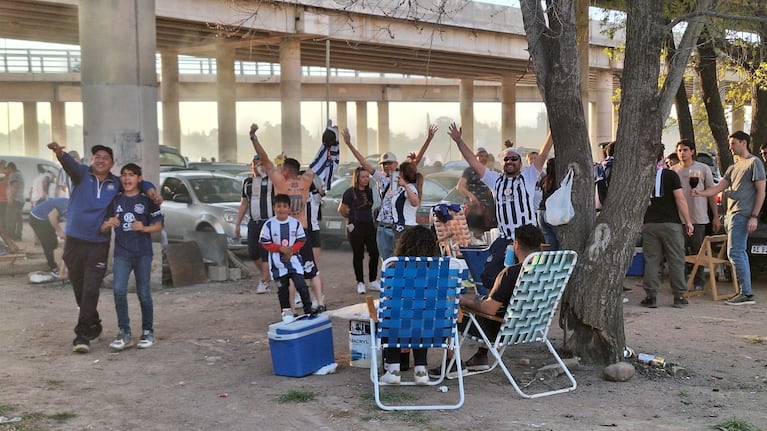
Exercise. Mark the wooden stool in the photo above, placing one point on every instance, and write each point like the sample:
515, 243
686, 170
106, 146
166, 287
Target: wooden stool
706, 258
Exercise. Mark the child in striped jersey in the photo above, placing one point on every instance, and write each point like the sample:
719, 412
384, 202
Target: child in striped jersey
282, 236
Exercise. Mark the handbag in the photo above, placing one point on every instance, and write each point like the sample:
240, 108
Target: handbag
559, 206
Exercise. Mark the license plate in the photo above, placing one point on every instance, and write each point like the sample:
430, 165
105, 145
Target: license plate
337, 225
759, 249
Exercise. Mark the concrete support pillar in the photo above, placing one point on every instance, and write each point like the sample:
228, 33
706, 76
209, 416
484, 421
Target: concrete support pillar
738, 119
604, 108
383, 126
59, 123
290, 95
171, 118
31, 132
362, 128
508, 110
343, 122
226, 104
119, 81
466, 101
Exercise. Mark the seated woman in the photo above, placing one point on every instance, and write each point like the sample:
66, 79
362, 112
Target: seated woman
414, 241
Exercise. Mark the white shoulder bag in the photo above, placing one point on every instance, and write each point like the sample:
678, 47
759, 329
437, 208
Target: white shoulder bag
559, 206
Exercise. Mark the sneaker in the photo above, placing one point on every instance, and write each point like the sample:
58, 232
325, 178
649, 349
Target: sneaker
680, 302
287, 315
478, 362
95, 331
375, 285
361, 288
263, 287
297, 300
319, 310
741, 299
81, 345
146, 341
452, 373
121, 342
390, 378
55, 273
420, 375
649, 302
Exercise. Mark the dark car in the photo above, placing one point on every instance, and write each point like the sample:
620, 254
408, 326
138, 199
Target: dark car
333, 226
171, 159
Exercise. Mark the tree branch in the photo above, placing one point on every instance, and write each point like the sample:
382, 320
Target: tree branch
713, 14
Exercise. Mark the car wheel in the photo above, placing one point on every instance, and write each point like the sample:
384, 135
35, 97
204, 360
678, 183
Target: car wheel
205, 228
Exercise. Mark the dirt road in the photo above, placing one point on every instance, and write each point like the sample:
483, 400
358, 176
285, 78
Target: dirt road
211, 369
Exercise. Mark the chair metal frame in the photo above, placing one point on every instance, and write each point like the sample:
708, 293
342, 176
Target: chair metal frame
418, 309
528, 317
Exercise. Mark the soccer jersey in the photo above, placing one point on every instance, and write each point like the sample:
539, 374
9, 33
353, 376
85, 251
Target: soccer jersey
283, 233
128, 209
259, 193
402, 211
514, 199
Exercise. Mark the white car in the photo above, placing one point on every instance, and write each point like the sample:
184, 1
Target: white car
202, 201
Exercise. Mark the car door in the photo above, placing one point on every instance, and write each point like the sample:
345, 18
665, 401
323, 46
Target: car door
178, 217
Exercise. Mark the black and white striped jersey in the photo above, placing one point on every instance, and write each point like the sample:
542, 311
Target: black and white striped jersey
514, 199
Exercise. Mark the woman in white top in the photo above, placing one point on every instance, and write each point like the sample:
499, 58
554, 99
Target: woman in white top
408, 197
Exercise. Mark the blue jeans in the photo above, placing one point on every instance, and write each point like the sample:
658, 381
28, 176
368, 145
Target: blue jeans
142, 269
736, 226
549, 231
385, 240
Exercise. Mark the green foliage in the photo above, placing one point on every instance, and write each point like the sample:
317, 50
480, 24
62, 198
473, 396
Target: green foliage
734, 425
294, 396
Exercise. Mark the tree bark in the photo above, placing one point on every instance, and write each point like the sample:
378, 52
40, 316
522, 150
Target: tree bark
717, 121
681, 102
759, 95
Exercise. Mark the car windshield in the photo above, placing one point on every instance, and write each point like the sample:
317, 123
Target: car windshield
172, 159
215, 190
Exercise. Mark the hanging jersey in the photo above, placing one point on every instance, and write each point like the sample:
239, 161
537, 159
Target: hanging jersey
283, 233
259, 192
514, 199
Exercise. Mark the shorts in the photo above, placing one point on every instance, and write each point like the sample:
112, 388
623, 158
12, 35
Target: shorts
256, 250
315, 238
307, 257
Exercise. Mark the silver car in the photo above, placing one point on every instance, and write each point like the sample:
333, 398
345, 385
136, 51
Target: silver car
202, 201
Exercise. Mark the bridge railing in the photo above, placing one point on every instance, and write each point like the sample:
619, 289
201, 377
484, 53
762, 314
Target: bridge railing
19, 60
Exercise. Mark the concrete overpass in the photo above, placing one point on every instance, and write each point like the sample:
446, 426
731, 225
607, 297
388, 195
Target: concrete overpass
465, 42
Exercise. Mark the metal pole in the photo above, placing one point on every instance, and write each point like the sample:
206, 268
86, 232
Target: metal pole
327, 78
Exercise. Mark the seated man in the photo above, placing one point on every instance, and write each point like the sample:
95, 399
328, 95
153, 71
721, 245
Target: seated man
527, 240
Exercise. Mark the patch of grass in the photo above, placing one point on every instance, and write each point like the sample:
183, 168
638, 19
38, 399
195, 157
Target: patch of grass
294, 396
6, 409
392, 397
734, 425
55, 382
756, 340
61, 417
684, 394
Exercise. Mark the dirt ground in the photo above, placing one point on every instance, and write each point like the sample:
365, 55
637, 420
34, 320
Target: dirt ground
211, 368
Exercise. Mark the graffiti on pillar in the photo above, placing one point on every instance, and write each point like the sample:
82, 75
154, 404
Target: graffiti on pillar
127, 146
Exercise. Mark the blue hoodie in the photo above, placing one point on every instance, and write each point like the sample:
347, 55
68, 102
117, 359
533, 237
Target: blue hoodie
89, 200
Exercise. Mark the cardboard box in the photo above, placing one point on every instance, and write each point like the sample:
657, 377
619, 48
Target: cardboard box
301, 347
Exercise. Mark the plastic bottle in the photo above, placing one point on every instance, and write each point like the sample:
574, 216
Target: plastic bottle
651, 360
509, 259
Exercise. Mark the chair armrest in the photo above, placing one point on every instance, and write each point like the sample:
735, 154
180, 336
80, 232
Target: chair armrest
371, 308
481, 314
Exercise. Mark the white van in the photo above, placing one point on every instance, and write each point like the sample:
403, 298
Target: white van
30, 168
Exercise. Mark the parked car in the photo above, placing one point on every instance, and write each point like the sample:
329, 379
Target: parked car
202, 201
234, 169
709, 159
171, 159
30, 168
447, 179
333, 226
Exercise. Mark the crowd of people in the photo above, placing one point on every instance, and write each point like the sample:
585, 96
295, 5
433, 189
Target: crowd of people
281, 203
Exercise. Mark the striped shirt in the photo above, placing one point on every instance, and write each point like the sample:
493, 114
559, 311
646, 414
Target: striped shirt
514, 199
259, 197
283, 233
403, 211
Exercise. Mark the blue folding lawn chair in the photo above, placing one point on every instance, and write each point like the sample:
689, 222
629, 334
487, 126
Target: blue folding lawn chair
418, 308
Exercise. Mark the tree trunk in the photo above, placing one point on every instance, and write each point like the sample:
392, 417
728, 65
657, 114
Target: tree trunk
709, 83
759, 95
682, 104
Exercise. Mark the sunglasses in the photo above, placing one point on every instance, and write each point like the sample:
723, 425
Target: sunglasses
511, 159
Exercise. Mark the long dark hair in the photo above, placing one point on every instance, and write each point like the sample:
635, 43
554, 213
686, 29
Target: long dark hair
550, 180
409, 171
356, 177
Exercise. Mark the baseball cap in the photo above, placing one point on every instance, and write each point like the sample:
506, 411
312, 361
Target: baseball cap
480, 150
256, 158
387, 157
97, 148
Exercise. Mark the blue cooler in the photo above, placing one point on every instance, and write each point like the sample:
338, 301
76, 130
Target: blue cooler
636, 269
302, 346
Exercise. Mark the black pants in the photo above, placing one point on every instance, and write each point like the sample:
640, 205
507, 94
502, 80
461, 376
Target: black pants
87, 265
47, 236
364, 236
13, 220
303, 291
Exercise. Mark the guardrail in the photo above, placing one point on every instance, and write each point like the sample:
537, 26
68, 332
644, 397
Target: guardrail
18, 60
